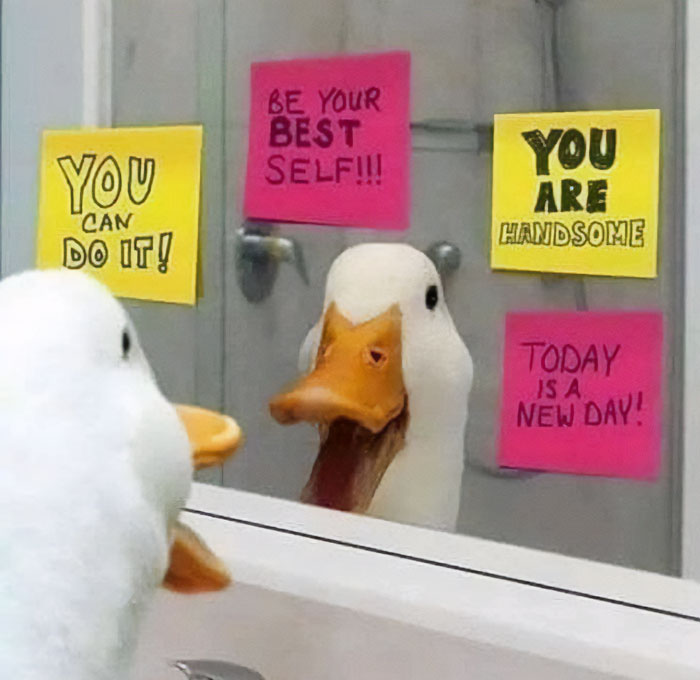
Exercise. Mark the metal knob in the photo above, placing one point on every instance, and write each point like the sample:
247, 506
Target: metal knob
258, 256
445, 256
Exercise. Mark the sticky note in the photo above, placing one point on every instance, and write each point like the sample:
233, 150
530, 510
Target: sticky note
329, 141
576, 192
582, 393
123, 205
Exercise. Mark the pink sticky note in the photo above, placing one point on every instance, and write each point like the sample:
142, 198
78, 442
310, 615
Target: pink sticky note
329, 141
582, 393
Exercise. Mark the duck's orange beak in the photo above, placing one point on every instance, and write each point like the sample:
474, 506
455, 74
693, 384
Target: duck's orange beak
214, 437
357, 375
193, 567
357, 397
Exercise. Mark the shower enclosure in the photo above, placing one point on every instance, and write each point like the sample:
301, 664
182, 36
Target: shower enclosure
181, 61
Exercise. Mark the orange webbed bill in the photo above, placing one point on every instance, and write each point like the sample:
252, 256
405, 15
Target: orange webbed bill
214, 437
193, 566
356, 395
357, 375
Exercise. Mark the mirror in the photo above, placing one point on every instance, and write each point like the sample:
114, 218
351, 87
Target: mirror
186, 61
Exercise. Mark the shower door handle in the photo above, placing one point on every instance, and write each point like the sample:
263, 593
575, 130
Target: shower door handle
258, 256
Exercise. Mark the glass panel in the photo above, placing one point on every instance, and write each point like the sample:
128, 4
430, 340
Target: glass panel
470, 60
168, 61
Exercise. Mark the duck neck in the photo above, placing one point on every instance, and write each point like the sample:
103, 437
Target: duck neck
422, 485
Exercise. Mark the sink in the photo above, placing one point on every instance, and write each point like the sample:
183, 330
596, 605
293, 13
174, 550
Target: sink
286, 637
207, 669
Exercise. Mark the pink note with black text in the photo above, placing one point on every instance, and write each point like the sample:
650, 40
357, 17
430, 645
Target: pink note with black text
329, 141
582, 393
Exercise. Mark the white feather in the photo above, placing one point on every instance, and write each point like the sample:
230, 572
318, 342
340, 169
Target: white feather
423, 484
95, 467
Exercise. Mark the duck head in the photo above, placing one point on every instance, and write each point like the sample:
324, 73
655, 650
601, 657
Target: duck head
71, 363
96, 466
386, 381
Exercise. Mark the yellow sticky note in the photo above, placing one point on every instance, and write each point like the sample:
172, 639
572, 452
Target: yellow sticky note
123, 205
576, 192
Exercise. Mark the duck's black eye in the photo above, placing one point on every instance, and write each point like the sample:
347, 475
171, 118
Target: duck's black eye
431, 297
126, 344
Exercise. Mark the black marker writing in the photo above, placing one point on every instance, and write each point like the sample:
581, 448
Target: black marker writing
106, 180
301, 121
566, 358
77, 177
571, 195
562, 371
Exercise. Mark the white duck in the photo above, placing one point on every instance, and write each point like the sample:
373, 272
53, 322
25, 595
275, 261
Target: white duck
388, 386
96, 465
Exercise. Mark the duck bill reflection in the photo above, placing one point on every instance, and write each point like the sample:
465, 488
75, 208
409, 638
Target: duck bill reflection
356, 396
193, 566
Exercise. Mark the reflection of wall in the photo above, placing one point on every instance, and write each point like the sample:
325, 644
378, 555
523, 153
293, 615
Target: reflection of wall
470, 59
460, 72
611, 55
167, 62
41, 87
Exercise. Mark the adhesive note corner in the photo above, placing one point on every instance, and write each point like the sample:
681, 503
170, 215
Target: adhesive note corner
582, 393
576, 192
123, 205
329, 141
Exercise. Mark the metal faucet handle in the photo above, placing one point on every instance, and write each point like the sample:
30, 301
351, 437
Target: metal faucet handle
205, 669
288, 250
258, 255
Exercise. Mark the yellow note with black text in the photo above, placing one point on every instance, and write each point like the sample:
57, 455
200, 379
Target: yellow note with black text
123, 205
576, 192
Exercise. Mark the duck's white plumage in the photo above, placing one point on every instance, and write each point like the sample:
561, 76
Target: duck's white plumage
94, 467
422, 485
